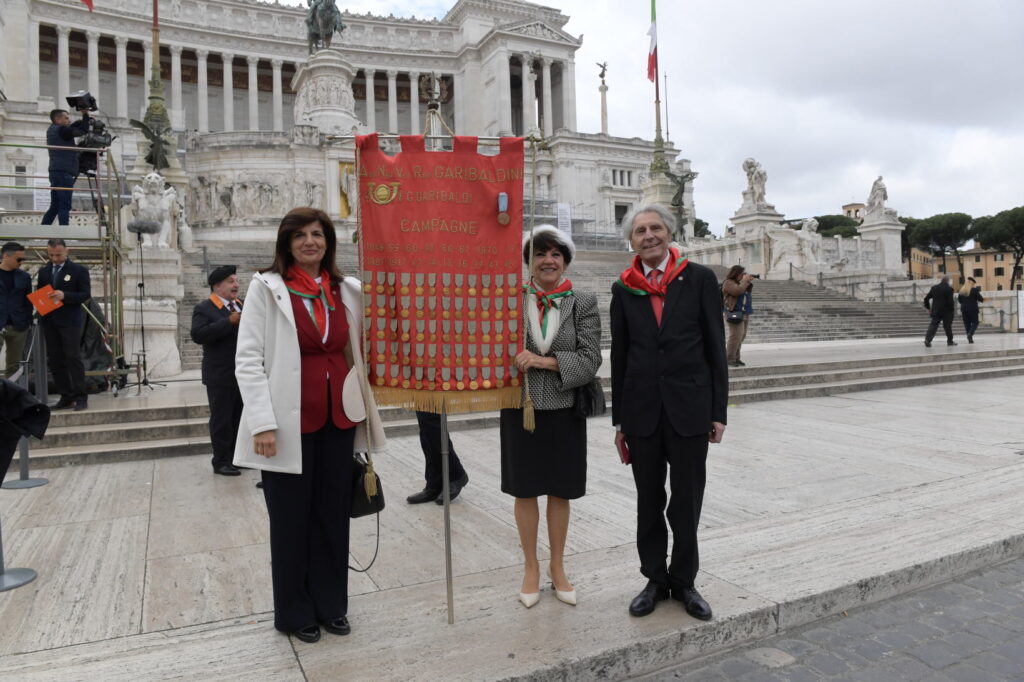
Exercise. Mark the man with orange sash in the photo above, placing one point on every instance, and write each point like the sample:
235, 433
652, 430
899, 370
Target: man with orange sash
215, 328
670, 386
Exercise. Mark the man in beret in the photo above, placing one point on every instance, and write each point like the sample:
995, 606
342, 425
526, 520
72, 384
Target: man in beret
215, 328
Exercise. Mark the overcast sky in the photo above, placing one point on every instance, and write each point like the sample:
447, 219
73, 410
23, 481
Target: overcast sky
826, 94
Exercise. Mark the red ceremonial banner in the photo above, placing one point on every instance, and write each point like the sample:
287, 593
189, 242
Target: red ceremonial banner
440, 248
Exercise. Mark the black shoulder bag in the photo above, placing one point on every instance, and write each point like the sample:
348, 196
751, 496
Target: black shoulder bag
589, 397
367, 497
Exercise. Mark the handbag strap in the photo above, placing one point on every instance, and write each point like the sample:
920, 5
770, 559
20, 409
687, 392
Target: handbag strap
376, 549
370, 481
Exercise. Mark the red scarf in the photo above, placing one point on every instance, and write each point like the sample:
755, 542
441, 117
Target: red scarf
633, 280
302, 284
546, 300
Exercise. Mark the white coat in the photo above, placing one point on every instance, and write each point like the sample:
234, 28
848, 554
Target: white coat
267, 369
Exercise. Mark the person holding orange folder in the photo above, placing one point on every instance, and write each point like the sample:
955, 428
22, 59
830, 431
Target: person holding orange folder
62, 328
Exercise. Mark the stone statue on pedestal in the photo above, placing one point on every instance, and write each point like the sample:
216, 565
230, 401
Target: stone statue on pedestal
151, 202
754, 195
876, 210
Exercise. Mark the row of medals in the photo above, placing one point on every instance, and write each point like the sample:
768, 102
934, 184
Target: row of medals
414, 341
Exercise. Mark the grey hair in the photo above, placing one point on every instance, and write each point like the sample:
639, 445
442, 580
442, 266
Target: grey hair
665, 215
945, 278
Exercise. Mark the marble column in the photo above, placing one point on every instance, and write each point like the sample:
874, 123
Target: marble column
549, 123
504, 77
459, 112
414, 102
371, 104
177, 105
147, 70
278, 98
92, 39
254, 94
569, 87
229, 92
524, 94
202, 92
392, 101
529, 98
63, 64
122, 75
33, 60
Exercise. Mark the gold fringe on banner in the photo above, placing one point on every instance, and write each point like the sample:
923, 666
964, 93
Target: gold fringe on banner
452, 402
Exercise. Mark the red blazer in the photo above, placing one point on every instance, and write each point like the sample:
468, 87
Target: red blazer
320, 360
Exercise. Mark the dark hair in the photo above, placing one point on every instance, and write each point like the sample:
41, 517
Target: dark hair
543, 242
54, 113
57, 241
735, 272
292, 222
11, 247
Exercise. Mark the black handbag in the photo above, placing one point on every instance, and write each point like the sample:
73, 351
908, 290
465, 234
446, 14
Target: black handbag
367, 493
590, 399
734, 316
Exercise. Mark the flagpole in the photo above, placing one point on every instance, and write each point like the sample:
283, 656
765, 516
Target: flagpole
659, 164
668, 135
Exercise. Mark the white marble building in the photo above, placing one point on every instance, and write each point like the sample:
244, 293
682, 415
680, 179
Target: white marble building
228, 67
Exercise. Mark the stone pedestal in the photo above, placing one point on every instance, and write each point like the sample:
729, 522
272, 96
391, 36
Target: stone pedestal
323, 93
658, 188
886, 230
753, 223
159, 309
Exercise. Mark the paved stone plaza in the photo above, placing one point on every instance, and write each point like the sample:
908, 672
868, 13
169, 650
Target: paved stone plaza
156, 569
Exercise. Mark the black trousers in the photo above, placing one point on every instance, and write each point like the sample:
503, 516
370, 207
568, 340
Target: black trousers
225, 414
970, 323
684, 459
430, 441
309, 524
64, 355
9, 437
947, 326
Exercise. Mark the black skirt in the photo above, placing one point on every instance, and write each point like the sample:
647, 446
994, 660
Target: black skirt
550, 461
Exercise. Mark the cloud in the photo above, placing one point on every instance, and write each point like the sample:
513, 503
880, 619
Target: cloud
826, 95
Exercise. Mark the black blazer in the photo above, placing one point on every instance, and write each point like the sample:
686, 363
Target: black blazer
940, 300
680, 364
969, 303
73, 280
219, 338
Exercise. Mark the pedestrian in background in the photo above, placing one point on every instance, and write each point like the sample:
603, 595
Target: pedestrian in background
969, 298
737, 303
15, 309
939, 303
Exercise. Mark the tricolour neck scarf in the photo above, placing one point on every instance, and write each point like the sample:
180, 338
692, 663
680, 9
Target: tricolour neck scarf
546, 300
301, 283
633, 280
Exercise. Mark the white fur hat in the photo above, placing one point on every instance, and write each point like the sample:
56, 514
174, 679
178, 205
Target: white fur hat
554, 234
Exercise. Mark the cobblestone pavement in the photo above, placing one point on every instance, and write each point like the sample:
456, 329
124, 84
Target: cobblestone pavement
970, 629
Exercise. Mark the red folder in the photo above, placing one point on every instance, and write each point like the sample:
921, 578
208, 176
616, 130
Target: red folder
623, 451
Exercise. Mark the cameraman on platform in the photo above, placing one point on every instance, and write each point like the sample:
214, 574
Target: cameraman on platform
63, 164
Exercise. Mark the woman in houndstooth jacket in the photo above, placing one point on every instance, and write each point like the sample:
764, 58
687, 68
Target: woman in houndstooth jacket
563, 352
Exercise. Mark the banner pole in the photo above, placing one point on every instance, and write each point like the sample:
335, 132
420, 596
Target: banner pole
447, 517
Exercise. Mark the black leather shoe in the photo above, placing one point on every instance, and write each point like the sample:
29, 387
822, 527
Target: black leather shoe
741, 363
970, 339
951, 343
226, 470
454, 488
81, 405
695, 604
645, 602
63, 404
259, 484
338, 626
927, 344
425, 495
308, 634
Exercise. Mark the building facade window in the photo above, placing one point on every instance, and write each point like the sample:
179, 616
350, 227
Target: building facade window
978, 272
1000, 272
977, 259
20, 176
999, 256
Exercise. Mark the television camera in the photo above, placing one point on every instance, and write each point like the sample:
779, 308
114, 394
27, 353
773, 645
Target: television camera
96, 135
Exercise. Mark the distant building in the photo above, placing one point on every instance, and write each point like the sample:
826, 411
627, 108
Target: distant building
992, 269
921, 264
855, 211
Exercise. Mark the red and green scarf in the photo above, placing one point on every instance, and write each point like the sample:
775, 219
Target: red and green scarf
546, 300
301, 283
633, 280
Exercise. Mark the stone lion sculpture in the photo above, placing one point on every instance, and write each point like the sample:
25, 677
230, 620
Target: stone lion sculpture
151, 202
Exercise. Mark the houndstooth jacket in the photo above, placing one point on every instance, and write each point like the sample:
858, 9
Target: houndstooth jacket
577, 346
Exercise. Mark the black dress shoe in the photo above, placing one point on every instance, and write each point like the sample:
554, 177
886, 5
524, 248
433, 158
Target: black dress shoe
81, 405
338, 626
695, 604
951, 343
308, 634
927, 344
259, 484
226, 470
63, 404
741, 363
425, 495
454, 488
645, 602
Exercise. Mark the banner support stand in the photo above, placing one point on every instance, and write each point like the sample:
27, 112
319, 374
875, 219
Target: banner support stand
446, 493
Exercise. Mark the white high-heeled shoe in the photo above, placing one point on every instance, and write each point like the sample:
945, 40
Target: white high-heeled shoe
529, 599
567, 597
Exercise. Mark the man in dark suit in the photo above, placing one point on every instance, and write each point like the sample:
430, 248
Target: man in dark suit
63, 164
940, 302
670, 387
15, 309
215, 327
62, 328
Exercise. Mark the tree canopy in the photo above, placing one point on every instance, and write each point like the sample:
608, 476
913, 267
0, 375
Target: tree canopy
832, 225
1003, 232
942, 234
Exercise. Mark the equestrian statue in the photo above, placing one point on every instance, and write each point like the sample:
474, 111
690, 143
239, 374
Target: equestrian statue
323, 20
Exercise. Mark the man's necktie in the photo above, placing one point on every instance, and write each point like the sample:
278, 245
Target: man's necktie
232, 307
657, 302
56, 274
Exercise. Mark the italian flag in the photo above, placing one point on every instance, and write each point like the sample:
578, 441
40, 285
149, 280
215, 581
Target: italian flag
652, 56
87, 3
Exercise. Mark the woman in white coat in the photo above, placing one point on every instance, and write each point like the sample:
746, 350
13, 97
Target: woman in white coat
308, 407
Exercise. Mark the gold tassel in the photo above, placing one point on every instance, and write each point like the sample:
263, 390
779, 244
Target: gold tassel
370, 479
528, 418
